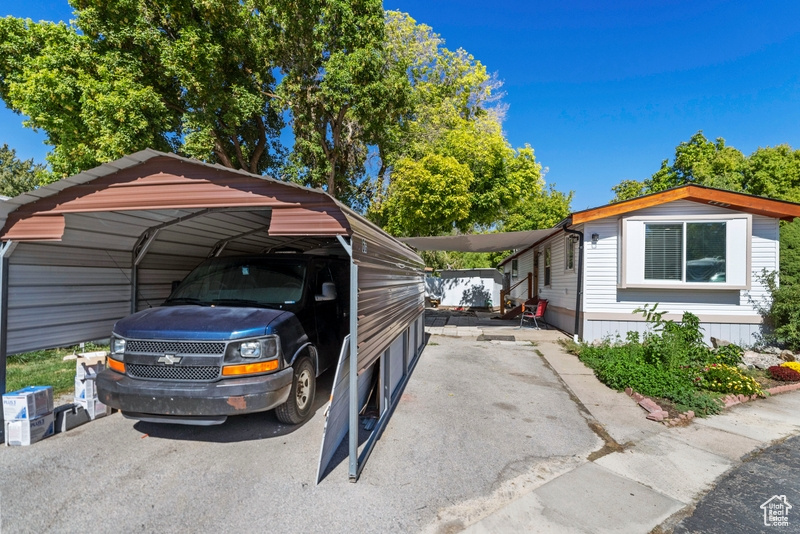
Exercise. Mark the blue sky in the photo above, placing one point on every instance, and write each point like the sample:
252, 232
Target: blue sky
602, 93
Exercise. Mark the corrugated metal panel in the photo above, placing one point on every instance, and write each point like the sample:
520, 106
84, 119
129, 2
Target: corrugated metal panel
397, 368
338, 418
390, 289
59, 295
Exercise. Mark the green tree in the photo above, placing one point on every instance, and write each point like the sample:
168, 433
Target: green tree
342, 92
700, 161
190, 76
17, 176
454, 117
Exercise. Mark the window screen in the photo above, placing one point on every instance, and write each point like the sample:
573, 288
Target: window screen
663, 256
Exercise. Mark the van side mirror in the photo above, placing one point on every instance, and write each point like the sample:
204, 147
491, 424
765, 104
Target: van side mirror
328, 292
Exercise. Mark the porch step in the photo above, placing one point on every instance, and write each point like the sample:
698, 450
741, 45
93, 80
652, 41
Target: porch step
513, 313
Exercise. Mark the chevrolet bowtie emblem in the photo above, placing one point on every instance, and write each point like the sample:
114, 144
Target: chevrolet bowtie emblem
169, 359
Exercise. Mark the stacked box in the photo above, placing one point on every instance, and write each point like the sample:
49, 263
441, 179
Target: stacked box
88, 365
28, 431
27, 403
28, 415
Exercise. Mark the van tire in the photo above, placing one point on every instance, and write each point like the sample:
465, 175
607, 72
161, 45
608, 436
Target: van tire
300, 403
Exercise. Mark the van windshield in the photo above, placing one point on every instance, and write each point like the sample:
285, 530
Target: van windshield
242, 282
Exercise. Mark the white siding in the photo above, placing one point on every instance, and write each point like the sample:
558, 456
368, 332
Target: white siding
741, 334
562, 291
525, 266
601, 294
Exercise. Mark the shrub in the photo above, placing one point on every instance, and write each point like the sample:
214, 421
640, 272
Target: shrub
727, 379
727, 354
673, 344
792, 365
781, 311
786, 374
624, 365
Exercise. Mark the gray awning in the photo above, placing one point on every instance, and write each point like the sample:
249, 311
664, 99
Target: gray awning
480, 242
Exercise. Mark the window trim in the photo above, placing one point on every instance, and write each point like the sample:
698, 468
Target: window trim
515, 268
569, 246
547, 263
624, 282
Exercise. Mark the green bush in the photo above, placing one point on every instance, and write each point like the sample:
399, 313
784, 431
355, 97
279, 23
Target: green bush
670, 361
781, 312
727, 354
625, 365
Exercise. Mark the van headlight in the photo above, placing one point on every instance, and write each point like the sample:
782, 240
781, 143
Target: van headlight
117, 346
250, 349
255, 349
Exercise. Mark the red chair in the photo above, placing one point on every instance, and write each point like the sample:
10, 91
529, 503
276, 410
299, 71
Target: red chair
534, 315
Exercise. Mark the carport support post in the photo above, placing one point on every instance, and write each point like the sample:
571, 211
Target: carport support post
5, 251
353, 417
353, 431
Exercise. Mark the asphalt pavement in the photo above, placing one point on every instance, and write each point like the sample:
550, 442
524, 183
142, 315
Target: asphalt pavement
753, 497
490, 435
480, 423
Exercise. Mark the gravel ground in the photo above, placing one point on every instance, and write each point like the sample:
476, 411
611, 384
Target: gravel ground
479, 424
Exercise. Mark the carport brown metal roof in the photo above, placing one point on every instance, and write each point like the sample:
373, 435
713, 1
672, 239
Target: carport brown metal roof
152, 180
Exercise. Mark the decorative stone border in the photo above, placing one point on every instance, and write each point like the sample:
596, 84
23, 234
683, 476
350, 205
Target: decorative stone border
784, 388
655, 413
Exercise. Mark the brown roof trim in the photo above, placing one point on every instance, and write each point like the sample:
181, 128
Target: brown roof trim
778, 209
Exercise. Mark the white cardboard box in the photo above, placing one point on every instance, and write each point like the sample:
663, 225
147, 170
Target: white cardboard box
27, 431
85, 390
27, 403
95, 408
88, 364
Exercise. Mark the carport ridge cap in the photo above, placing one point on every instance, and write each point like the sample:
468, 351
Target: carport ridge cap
142, 157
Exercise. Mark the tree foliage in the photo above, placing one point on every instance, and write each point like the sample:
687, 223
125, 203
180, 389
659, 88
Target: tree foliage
342, 92
451, 145
383, 116
17, 176
193, 77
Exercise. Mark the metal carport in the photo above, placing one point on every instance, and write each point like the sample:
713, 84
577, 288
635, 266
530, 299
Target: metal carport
78, 254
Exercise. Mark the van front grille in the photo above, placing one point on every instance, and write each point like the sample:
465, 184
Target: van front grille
145, 346
173, 372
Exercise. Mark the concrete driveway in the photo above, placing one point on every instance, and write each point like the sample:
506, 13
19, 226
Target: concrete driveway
479, 424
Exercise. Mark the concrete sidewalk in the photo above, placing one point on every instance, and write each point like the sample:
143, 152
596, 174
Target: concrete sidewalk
647, 472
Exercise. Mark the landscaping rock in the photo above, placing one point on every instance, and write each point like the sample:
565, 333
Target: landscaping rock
656, 416
650, 406
717, 343
787, 356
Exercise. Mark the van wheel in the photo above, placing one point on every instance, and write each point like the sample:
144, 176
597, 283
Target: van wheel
297, 407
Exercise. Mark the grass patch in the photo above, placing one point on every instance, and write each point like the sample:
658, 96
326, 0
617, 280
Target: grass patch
45, 368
